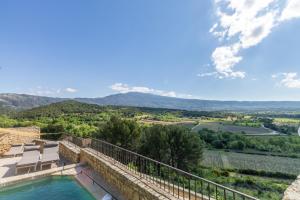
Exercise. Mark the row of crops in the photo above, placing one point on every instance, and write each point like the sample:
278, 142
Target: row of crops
232, 160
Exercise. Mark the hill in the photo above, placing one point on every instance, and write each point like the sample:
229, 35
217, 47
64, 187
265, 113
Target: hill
60, 108
22, 101
155, 101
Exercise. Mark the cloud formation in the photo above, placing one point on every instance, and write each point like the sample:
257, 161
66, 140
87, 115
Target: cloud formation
242, 24
291, 80
71, 90
124, 88
45, 91
292, 10
288, 80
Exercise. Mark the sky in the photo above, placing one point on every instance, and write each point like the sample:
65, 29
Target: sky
202, 49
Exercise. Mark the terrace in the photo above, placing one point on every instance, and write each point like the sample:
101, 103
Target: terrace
105, 169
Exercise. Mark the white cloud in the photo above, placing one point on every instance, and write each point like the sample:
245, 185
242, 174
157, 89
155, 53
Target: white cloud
44, 91
124, 88
290, 80
53, 92
71, 90
274, 76
243, 24
207, 74
224, 58
292, 10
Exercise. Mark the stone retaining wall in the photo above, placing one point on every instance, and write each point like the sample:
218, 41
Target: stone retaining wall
69, 152
7, 139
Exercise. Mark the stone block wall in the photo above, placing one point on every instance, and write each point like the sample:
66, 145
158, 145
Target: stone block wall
130, 187
14, 136
69, 152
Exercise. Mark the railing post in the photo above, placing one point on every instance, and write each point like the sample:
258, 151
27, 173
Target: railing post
189, 188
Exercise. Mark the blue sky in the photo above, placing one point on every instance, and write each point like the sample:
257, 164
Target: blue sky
210, 49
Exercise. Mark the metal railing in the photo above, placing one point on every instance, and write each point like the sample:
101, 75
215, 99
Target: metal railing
176, 182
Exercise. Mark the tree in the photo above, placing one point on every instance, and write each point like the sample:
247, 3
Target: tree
174, 145
237, 145
153, 143
185, 148
124, 133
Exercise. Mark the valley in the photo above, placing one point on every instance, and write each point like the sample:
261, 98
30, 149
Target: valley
236, 149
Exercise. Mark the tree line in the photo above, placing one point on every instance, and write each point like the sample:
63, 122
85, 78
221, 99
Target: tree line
173, 145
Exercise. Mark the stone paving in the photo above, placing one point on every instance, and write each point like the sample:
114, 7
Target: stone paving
293, 191
8, 166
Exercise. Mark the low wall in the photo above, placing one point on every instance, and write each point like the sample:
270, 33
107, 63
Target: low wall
69, 152
131, 188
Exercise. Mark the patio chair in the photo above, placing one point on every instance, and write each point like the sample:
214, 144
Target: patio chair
30, 159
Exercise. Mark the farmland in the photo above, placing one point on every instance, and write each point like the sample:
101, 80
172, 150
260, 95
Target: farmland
232, 160
226, 127
287, 121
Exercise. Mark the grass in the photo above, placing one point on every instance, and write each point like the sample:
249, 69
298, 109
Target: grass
259, 187
288, 121
232, 160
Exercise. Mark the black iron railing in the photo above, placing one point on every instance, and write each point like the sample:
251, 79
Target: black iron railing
176, 182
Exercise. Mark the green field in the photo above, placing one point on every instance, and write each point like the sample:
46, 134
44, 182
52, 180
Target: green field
287, 121
225, 127
232, 160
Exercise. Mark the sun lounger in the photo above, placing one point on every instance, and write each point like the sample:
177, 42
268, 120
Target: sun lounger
29, 144
14, 151
49, 156
52, 149
29, 159
49, 144
32, 148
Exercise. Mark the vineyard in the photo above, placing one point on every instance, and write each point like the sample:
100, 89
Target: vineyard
221, 126
231, 160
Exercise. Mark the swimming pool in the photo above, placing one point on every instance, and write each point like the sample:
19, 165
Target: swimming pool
58, 188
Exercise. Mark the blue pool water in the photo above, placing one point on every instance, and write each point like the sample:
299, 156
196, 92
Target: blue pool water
52, 188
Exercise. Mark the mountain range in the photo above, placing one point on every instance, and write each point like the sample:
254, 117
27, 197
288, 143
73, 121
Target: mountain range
24, 101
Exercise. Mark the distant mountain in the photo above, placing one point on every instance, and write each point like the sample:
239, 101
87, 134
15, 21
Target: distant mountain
21, 101
24, 101
155, 101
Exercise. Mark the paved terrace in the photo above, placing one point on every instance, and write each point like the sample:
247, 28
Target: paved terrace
83, 174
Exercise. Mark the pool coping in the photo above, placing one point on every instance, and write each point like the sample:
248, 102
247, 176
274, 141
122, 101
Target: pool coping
35, 175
